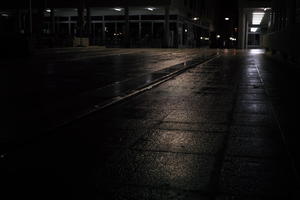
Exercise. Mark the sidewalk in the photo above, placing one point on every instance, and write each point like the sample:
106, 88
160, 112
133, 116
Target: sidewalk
209, 133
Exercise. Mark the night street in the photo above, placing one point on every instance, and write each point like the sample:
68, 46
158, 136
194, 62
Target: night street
150, 99
210, 132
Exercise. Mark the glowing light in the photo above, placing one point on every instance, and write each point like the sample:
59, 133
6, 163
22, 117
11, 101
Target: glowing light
150, 9
196, 18
232, 39
48, 10
206, 38
118, 9
218, 36
253, 29
227, 18
185, 30
257, 51
257, 17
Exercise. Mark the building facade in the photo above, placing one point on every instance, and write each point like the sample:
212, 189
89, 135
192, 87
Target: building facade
254, 17
131, 23
270, 24
284, 31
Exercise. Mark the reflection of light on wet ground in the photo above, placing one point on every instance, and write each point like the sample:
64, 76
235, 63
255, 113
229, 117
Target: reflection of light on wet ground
172, 167
257, 51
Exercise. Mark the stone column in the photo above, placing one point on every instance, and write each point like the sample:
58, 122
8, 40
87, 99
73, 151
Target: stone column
30, 17
103, 32
177, 34
39, 22
89, 25
52, 23
18, 22
246, 33
81, 19
127, 31
167, 27
80, 22
89, 21
69, 26
241, 29
152, 29
140, 28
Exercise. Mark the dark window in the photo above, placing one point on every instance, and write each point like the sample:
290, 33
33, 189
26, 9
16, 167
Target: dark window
120, 28
134, 17
47, 19
110, 29
96, 18
173, 17
146, 29
63, 29
115, 17
153, 17
74, 18
158, 30
97, 30
173, 27
134, 30
62, 18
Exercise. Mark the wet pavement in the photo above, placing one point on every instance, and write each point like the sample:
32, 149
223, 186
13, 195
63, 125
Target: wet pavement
220, 130
56, 86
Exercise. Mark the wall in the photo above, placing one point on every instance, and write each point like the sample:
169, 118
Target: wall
284, 37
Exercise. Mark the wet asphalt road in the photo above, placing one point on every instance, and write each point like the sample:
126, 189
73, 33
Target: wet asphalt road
213, 132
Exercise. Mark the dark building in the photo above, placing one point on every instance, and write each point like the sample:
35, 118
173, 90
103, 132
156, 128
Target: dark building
131, 23
226, 24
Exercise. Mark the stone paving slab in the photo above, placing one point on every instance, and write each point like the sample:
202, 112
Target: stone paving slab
163, 144
195, 142
60, 85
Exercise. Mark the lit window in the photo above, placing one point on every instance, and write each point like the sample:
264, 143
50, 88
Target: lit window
253, 29
257, 17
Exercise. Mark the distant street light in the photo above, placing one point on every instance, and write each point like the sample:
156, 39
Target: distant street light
226, 18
